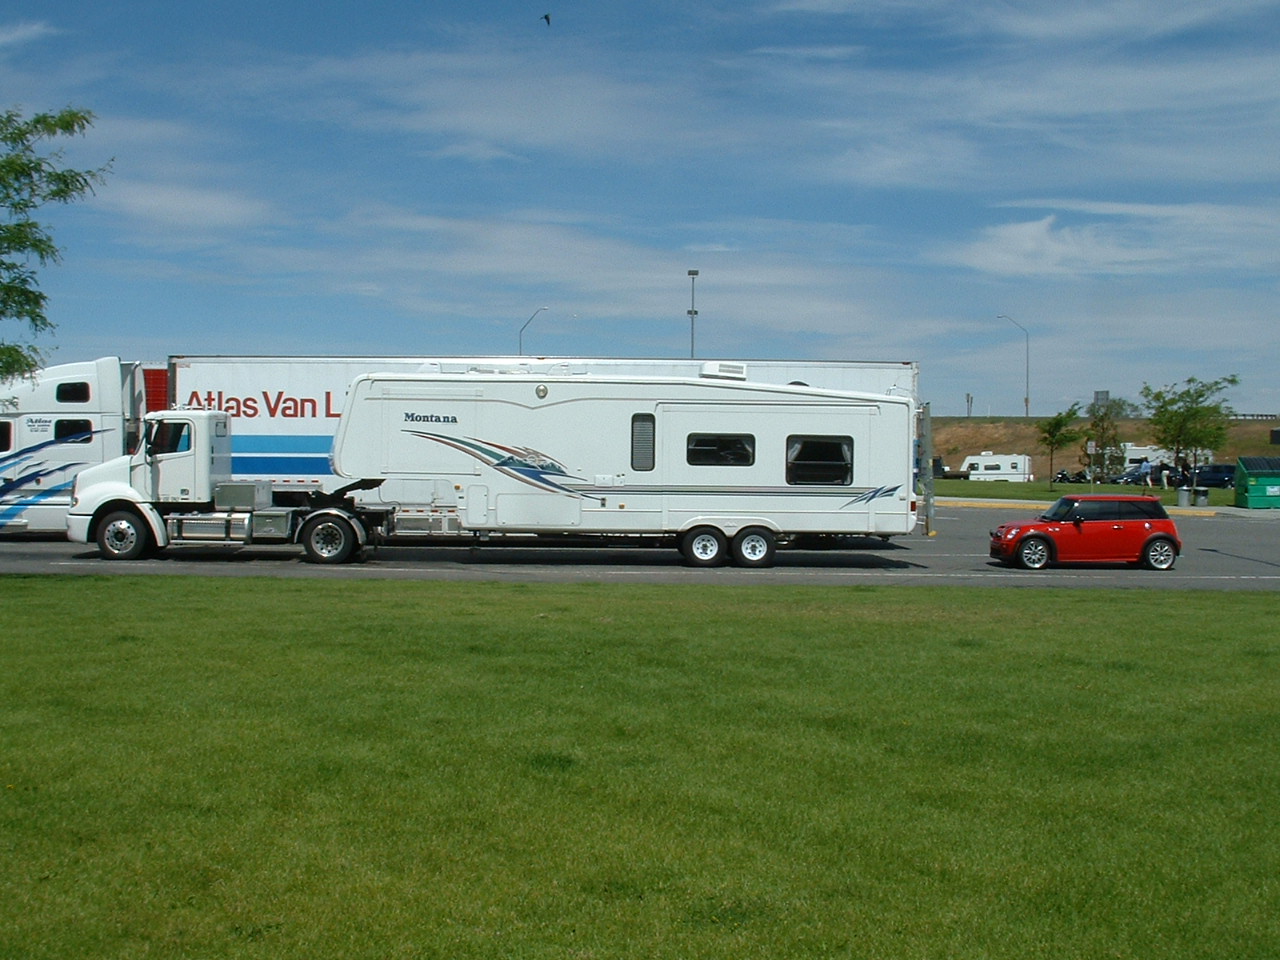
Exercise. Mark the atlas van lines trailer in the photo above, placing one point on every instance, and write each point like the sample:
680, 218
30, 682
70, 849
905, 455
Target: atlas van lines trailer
285, 410
724, 469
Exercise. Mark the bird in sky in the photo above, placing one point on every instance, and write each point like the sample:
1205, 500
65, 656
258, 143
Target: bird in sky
547, 17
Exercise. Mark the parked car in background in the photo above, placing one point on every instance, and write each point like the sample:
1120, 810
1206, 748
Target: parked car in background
1091, 528
1214, 475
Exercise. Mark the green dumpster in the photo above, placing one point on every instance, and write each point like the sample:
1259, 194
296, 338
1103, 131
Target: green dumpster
1258, 482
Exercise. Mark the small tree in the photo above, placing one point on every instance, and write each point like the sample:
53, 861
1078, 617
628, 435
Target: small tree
1104, 433
1058, 432
1189, 419
28, 181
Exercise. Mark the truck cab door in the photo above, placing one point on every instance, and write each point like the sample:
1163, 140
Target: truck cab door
169, 461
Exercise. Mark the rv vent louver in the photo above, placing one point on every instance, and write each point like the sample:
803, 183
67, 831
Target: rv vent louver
719, 370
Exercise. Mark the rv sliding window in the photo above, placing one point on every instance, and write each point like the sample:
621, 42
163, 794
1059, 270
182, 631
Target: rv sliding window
720, 449
642, 441
818, 459
73, 431
76, 392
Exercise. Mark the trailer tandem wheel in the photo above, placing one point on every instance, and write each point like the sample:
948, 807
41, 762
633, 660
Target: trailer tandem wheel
704, 547
754, 547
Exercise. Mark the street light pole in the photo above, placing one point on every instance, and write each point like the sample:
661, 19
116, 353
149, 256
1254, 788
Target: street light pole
526, 323
1026, 382
693, 313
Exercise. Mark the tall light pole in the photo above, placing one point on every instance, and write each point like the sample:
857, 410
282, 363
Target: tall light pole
526, 323
693, 313
1026, 383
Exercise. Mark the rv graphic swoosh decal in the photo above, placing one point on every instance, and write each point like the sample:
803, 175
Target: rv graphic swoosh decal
875, 493
520, 463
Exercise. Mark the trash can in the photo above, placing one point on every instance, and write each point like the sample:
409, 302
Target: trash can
1200, 496
1184, 496
1258, 482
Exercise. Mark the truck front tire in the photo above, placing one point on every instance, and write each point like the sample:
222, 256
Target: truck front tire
123, 535
329, 539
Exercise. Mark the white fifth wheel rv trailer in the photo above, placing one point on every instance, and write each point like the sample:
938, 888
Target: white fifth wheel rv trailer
724, 468
285, 409
54, 424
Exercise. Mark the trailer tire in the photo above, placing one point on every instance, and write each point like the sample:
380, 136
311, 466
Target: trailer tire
704, 547
754, 547
123, 535
329, 539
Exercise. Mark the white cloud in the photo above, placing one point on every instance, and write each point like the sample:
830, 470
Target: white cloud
19, 34
1126, 239
184, 209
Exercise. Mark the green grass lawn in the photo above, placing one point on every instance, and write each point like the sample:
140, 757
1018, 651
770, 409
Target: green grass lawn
1040, 490
255, 768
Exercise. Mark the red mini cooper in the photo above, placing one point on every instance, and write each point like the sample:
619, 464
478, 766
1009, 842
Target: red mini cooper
1088, 528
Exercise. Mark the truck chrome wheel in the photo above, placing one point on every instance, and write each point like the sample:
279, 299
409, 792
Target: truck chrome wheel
704, 547
328, 539
122, 536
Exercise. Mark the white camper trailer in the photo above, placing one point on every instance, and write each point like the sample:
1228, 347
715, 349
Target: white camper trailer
54, 424
725, 468
999, 466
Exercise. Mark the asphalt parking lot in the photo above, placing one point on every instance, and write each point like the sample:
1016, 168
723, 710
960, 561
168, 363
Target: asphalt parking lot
1223, 550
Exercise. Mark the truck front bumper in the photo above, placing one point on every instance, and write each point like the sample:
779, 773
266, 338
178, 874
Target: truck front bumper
78, 528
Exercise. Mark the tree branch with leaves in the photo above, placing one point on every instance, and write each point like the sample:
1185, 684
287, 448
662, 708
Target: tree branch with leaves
29, 180
1189, 418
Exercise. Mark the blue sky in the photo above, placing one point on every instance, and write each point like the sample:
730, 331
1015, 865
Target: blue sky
854, 179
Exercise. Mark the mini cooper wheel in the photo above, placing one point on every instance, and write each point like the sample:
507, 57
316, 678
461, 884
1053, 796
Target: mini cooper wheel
1159, 554
1033, 553
704, 547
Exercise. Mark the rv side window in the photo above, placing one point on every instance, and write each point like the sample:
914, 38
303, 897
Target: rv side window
642, 441
820, 460
73, 431
721, 449
991, 466
6, 436
77, 392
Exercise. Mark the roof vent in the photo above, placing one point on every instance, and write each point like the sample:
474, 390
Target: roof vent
720, 370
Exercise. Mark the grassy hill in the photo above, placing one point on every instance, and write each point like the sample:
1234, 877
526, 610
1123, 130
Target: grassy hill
955, 438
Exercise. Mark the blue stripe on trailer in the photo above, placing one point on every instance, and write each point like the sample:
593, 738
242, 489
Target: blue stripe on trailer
282, 443
280, 466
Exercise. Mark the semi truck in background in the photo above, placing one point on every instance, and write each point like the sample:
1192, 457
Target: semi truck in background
285, 410
56, 423
727, 470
